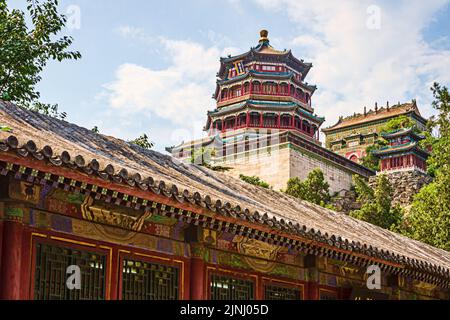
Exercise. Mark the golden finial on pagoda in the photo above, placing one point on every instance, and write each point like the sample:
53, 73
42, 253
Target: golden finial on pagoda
263, 33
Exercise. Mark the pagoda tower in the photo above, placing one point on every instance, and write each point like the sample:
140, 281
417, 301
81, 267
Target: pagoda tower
264, 123
403, 151
403, 162
264, 88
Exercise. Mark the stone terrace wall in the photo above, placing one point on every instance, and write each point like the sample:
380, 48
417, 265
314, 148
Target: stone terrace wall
405, 185
277, 164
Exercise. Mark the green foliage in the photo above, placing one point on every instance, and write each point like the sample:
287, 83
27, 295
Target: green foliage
397, 123
377, 205
429, 217
313, 189
369, 160
95, 129
255, 181
142, 141
26, 49
364, 192
5, 128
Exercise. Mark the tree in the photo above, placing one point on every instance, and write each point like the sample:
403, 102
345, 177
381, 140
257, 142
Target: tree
255, 181
142, 141
364, 192
399, 122
377, 205
429, 217
25, 51
313, 189
369, 160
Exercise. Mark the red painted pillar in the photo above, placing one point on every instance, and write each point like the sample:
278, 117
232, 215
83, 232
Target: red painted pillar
279, 121
261, 123
11, 257
197, 273
247, 119
115, 269
313, 291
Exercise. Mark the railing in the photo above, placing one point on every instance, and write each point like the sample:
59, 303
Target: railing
276, 94
266, 126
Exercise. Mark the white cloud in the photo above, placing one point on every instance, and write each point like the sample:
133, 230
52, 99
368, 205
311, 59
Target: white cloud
134, 33
180, 93
355, 65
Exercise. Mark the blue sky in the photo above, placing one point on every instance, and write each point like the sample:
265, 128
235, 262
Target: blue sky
149, 66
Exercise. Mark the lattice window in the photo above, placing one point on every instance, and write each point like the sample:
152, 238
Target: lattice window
227, 288
149, 281
272, 292
50, 273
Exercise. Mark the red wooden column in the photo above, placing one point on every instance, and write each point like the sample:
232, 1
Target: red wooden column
11, 254
312, 278
115, 267
247, 119
261, 120
197, 273
313, 291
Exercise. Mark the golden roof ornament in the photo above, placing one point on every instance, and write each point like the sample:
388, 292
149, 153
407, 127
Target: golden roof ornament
263, 33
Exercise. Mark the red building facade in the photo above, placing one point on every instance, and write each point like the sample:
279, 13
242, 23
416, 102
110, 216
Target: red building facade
403, 151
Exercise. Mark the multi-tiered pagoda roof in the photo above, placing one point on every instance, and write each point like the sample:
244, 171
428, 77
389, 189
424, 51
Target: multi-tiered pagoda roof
403, 151
264, 88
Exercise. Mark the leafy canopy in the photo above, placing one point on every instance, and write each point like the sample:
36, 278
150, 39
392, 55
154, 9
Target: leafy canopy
313, 189
26, 50
429, 217
255, 181
377, 205
141, 141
